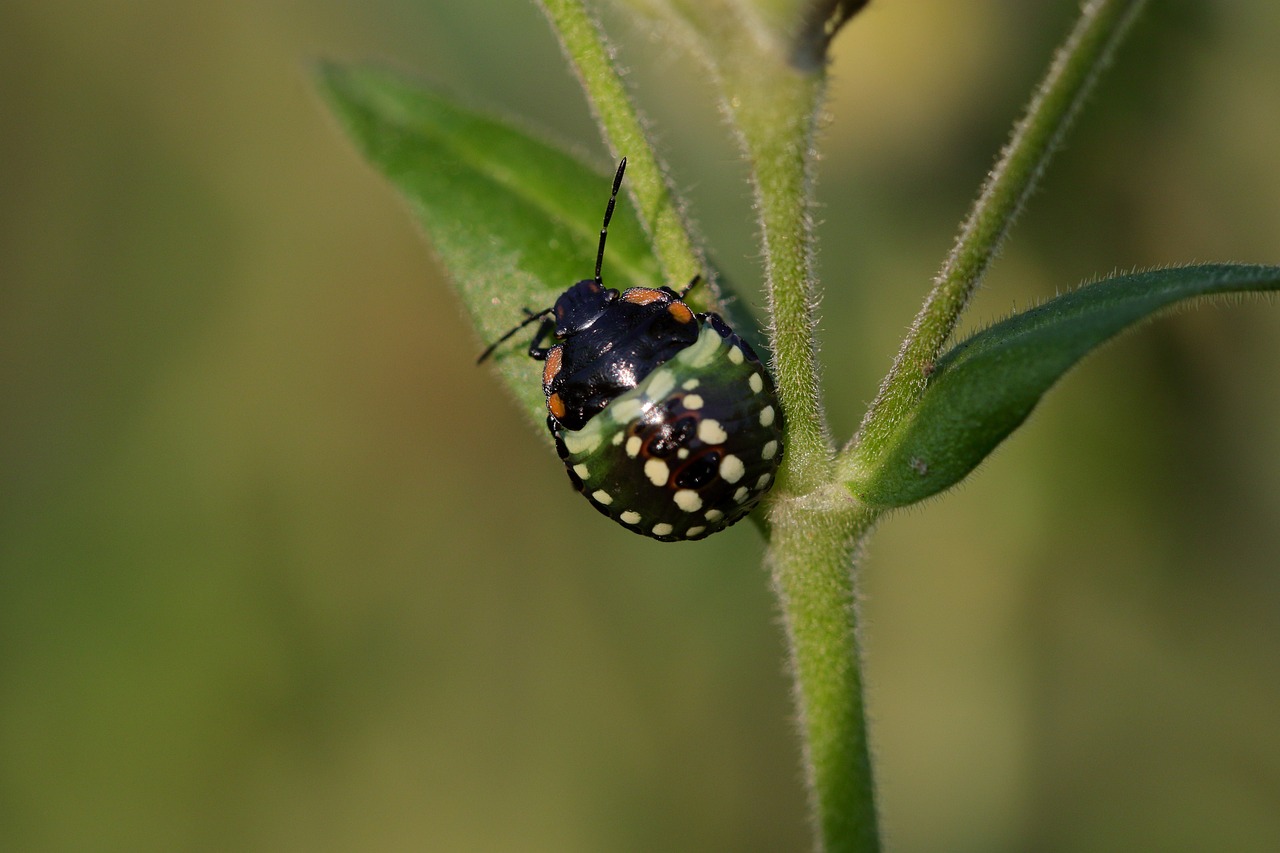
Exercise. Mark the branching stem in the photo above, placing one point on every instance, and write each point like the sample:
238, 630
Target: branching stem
1075, 69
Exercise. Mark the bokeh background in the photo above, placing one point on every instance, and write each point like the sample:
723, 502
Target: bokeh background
280, 569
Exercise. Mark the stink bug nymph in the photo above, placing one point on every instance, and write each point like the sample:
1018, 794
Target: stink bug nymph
666, 420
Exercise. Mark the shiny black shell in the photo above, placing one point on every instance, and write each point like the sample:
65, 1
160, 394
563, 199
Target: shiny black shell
665, 419
688, 451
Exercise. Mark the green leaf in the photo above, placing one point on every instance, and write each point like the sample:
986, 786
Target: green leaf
514, 219
985, 387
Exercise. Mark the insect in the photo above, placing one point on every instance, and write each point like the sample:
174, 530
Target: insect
665, 419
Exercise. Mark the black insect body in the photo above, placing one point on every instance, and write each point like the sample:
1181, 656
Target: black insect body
666, 420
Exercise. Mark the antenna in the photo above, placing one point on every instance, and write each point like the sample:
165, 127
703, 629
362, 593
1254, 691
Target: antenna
527, 320
608, 214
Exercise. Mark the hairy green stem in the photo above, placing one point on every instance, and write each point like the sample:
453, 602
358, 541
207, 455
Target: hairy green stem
816, 526
591, 56
776, 125
812, 563
1075, 69
773, 104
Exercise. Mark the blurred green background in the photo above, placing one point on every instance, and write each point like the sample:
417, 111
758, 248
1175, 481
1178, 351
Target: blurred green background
281, 570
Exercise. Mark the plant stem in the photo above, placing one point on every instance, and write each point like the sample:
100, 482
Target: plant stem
591, 56
815, 525
775, 121
812, 564
1075, 69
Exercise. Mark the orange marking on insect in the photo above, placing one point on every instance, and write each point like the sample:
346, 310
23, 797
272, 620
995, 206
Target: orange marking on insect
643, 295
680, 311
552, 367
555, 406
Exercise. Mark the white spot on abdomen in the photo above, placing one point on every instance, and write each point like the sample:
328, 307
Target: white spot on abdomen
711, 432
732, 469
688, 500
